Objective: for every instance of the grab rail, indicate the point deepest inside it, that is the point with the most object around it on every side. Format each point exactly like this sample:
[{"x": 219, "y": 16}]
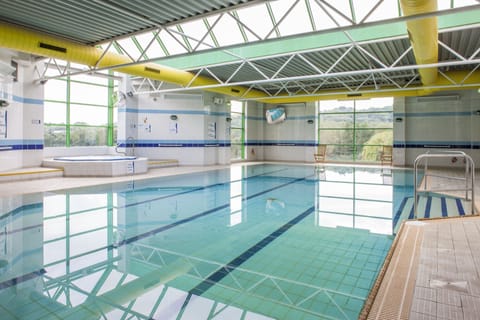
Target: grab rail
[
  {"x": 469, "y": 173},
  {"x": 129, "y": 151}
]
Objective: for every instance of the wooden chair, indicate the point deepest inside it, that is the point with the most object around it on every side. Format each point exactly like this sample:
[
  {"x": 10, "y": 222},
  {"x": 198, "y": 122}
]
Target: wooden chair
[
  {"x": 321, "y": 151},
  {"x": 386, "y": 155}
]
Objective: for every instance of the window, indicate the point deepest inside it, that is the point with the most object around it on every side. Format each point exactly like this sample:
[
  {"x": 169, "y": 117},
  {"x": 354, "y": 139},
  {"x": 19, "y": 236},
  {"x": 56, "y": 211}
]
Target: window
[
  {"x": 237, "y": 130},
  {"x": 355, "y": 130},
  {"x": 79, "y": 111}
]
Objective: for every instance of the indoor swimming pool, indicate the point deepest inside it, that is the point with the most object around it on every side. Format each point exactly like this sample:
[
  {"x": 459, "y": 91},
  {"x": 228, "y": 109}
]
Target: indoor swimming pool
[{"x": 263, "y": 241}]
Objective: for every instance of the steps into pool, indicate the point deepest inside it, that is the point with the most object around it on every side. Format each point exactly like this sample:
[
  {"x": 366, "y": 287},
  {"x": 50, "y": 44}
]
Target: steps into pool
[
  {"x": 31, "y": 173},
  {"x": 23, "y": 174},
  {"x": 432, "y": 206},
  {"x": 162, "y": 163}
]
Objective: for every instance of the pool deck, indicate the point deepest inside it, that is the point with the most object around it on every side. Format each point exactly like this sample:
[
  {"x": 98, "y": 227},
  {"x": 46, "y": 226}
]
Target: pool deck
[
  {"x": 431, "y": 272},
  {"x": 433, "y": 269}
]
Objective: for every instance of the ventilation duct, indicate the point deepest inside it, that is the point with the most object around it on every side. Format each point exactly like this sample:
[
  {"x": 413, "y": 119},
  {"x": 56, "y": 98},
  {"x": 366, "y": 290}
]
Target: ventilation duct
[
  {"x": 423, "y": 34},
  {"x": 23, "y": 40},
  {"x": 18, "y": 39}
]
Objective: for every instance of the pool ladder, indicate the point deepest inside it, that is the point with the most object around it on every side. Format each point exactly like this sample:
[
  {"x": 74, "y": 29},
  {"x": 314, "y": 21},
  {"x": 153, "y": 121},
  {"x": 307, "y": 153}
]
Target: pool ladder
[{"x": 469, "y": 177}]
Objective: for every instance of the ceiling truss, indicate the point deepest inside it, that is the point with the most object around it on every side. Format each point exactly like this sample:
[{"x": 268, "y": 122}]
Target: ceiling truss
[{"x": 355, "y": 67}]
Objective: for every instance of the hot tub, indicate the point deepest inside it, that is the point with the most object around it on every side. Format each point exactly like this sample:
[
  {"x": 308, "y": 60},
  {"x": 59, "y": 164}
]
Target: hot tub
[{"x": 98, "y": 165}]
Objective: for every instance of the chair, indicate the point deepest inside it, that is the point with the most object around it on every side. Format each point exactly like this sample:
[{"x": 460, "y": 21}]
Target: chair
[
  {"x": 320, "y": 155},
  {"x": 386, "y": 155}
]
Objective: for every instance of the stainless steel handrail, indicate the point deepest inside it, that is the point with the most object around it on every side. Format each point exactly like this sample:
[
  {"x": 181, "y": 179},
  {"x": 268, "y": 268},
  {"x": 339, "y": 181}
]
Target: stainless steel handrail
[
  {"x": 129, "y": 151},
  {"x": 469, "y": 173}
]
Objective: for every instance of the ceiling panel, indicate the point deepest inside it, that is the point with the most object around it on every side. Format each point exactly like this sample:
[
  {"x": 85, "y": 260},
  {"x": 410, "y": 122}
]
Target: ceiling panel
[{"x": 96, "y": 21}]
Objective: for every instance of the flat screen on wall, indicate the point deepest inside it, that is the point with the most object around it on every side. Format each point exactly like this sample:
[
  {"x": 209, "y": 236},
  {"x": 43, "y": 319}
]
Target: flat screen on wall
[{"x": 275, "y": 115}]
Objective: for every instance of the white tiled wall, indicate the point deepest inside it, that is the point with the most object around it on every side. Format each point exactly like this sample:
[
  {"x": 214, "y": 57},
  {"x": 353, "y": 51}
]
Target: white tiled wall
[
  {"x": 444, "y": 121},
  {"x": 254, "y": 127},
  {"x": 147, "y": 119},
  {"x": 294, "y": 130},
  {"x": 25, "y": 118}
]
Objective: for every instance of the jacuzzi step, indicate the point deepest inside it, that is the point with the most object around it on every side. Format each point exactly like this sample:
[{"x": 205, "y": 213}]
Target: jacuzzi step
[
  {"x": 162, "y": 163},
  {"x": 30, "y": 174},
  {"x": 98, "y": 165}
]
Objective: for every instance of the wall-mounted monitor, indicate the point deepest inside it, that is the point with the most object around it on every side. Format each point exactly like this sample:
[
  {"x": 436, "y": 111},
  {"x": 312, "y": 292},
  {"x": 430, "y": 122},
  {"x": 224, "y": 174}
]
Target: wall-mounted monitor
[{"x": 275, "y": 115}]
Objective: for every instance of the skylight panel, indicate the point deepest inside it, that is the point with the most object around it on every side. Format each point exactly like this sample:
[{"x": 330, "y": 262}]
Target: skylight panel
[
  {"x": 153, "y": 47},
  {"x": 196, "y": 30},
  {"x": 387, "y": 9},
  {"x": 129, "y": 48},
  {"x": 174, "y": 45},
  {"x": 329, "y": 17},
  {"x": 258, "y": 21},
  {"x": 444, "y": 4},
  {"x": 297, "y": 21},
  {"x": 464, "y": 3},
  {"x": 227, "y": 31},
  {"x": 362, "y": 10}
]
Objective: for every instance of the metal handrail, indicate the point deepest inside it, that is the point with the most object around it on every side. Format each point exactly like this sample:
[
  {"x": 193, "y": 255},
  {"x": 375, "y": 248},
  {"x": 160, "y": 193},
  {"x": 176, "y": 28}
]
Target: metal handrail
[
  {"x": 469, "y": 173},
  {"x": 127, "y": 148}
]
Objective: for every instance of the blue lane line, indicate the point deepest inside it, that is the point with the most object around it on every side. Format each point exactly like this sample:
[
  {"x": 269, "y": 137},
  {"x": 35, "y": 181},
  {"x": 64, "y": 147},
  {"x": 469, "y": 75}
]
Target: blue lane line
[
  {"x": 399, "y": 212},
  {"x": 169, "y": 226},
  {"x": 22, "y": 278},
  {"x": 222, "y": 272},
  {"x": 21, "y": 209},
  {"x": 461, "y": 211},
  {"x": 444, "y": 207},
  {"x": 428, "y": 207},
  {"x": 193, "y": 189},
  {"x": 412, "y": 212},
  {"x": 194, "y": 217}
]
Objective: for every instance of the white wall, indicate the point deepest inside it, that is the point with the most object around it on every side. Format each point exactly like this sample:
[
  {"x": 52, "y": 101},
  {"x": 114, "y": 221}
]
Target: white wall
[
  {"x": 293, "y": 139},
  {"x": 199, "y": 136},
  {"x": 446, "y": 122},
  {"x": 254, "y": 125},
  {"x": 23, "y": 146}
]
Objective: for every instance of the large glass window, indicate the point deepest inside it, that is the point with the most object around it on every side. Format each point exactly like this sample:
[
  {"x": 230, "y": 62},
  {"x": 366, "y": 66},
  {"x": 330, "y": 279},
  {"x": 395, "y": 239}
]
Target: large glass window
[
  {"x": 355, "y": 130},
  {"x": 79, "y": 111},
  {"x": 237, "y": 130}
]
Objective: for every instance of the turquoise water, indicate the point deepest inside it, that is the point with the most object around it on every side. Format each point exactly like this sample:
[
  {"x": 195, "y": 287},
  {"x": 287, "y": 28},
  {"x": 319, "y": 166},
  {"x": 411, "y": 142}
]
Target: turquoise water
[{"x": 252, "y": 242}]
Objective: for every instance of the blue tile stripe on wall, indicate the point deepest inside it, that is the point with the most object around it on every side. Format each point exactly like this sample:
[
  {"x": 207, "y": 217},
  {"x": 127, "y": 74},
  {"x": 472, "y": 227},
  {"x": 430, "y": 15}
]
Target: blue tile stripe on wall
[
  {"x": 19, "y": 144},
  {"x": 434, "y": 114},
  {"x": 38, "y": 102},
  {"x": 437, "y": 144},
  {"x": 177, "y": 112}
]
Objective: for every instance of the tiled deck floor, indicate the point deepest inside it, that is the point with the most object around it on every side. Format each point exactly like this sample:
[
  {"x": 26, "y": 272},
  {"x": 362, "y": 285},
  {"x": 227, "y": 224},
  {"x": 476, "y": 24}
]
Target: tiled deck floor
[
  {"x": 433, "y": 273},
  {"x": 434, "y": 270},
  {"x": 448, "y": 282}
]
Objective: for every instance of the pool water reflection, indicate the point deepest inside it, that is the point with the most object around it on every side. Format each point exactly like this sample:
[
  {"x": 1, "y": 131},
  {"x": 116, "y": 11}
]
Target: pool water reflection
[{"x": 252, "y": 242}]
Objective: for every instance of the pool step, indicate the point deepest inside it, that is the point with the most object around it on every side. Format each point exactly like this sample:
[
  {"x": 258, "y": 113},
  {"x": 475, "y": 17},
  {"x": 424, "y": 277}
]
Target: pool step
[
  {"x": 162, "y": 163},
  {"x": 432, "y": 206},
  {"x": 23, "y": 174}
]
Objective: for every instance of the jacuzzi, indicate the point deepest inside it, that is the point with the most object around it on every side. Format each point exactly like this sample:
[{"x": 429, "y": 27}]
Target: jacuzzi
[{"x": 98, "y": 165}]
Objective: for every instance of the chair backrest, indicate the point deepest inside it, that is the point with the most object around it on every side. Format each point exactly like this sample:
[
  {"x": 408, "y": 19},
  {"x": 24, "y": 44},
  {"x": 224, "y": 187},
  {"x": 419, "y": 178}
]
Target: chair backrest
[
  {"x": 320, "y": 155},
  {"x": 387, "y": 151},
  {"x": 322, "y": 148},
  {"x": 386, "y": 155}
]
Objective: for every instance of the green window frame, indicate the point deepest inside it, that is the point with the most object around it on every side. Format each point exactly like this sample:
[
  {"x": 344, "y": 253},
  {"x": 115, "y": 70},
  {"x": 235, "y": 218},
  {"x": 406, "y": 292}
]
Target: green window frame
[
  {"x": 354, "y": 131},
  {"x": 237, "y": 130},
  {"x": 65, "y": 130}
]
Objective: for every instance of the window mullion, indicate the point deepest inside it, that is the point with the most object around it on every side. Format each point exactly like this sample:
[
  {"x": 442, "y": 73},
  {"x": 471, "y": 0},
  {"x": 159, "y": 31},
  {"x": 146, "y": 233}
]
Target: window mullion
[{"x": 67, "y": 126}]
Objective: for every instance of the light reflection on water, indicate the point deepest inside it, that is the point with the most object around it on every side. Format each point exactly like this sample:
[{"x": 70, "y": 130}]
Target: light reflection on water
[{"x": 253, "y": 242}]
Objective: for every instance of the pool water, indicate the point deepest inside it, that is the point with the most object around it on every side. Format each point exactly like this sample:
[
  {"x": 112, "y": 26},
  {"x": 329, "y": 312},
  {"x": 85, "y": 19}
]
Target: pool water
[{"x": 250, "y": 242}]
